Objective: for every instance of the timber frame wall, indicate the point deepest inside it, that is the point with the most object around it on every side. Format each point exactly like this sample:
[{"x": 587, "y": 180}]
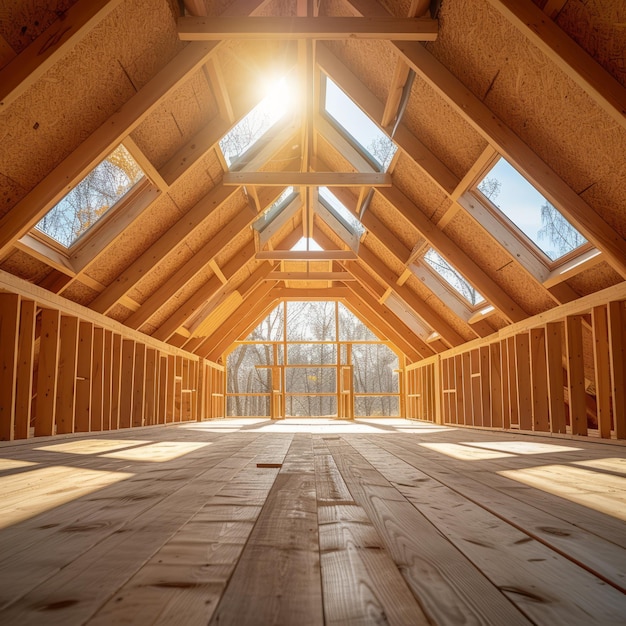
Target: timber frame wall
[
  {"x": 531, "y": 376},
  {"x": 66, "y": 369}
]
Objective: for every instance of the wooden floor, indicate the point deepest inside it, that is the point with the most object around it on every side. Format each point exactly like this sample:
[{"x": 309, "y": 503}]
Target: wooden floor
[{"x": 312, "y": 522}]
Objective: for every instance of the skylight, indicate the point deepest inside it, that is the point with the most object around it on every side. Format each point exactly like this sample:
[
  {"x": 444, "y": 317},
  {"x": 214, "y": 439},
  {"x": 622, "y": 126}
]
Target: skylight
[
  {"x": 341, "y": 212},
  {"x": 529, "y": 211},
  {"x": 92, "y": 197},
  {"x": 360, "y": 129},
  {"x": 254, "y": 125},
  {"x": 274, "y": 209},
  {"x": 452, "y": 277}
]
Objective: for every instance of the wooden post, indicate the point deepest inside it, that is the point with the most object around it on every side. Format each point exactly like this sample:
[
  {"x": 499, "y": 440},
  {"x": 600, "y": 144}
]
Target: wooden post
[
  {"x": 83, "y": 377},
  {"x": 506, "y": 381},
  {"x": 522, "y": 360},
  {"x": 9, "y": 326},
  {"x": 24, "y": 375},
  {"x": 107, "y": 379},
  {"x": 171, "y": 388},
  {"x": 554, "y": 357},
  {"x": 201, "y": 378},
  {"x": 458, "y": 385},
  {"x": 150, "y": 403},
  {"x": 139, "y": 377},
  {"x": 477, "y": 409},
  {"x": 512, "y": 380},
  {"x": 602, "y": 369},
  {"x": 116, "y": 381},
  {"x": 66, "y": 387},
  {"x": 485, "y": 386},
  {"x": 495, "y": 385},
  {"x": 539, "y": 377},
  {"x": 617, "y": 350},
  {"x": 437, "y": 391},
  {"x": 47, "y": 372},
  {"x": 126, "y": 386},
  {"x": 468, "y": 416},
  {"x": 576, "y": 374},
  {"x": 163, "y": 378},
  {"x": 97, "y": 381}
]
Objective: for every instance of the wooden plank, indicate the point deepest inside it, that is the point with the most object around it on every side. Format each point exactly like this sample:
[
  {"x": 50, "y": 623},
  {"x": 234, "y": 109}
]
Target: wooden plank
[
  {"x": 199, "y": 28},
  {"x": 307, "y": 179},
  {"x": 127, "y": 371},
  {"x": 602, "y": 369},
  {"x": 617, "y": 351},
  {"x": 554, "y": 358},
  {"x": 576, "y": 374},
  {"x": 305, "y": 255},
  {"x": 97, "y": 381},
  {"x": 84, "y": 378},
  {"x": 279, "y": 569},
  {"x": 56, "y": 41},
  {"x": 47, "y": 373},
  {"x": 539, "y": 378},
  {"x": 523, "y": 380},
  {"x": 66, "y": 387},
  {"x": 446, "y": 593},
  {"x": 9, "y": 343},
  {"x": 116, "y": 380},
  {"x": 495, "y": 385},
  {"x": 139, "y": 378},
  {"x": 24, "y": 373},
  {"x": 151, "y": 387}
]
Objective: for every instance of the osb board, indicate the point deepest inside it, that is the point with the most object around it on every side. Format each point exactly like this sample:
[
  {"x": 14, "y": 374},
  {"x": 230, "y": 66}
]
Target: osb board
[
  {"x": 594, "y": 279},
  {"x": 79, "y": 293},
  {"x": 491, "y": 258},
  {"x": 383, "y": 254},
  {"x": 396, "y": 223},
  {"x": 420, "y": 189},
  {"x": 176, "y": 120},
  {"x": 336, "y": 243},
  {"x": 440, "y": 309},
  {"x": 219, "y": 219},
  {"x": 22, "y": 21},
  {"x": 236, "y": 244},
  {"x": 330, "y": 158},
  {"x": 538, "y": 102},
  {"x": 10, "y": 193},
  {"x": 119, "y": 313},
  {"x": 287, "y": 158},
  {"x": 144, "y": 231},
  {"x": 597, "y": 26},
  {"x": 81, "y": 91},
  {"x": 25, "y": 266},
  {"x": 160, "y": 273},
  {"x": 197, "y": 181}
]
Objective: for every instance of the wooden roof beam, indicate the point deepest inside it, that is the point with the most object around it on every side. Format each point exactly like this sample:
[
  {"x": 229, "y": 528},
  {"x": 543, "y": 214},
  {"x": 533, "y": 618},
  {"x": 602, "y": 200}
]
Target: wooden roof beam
[
  {"x": 310, "y": 276},
  {"x": 539, "y": 173},
  {"x": 55, "y": 42},
  {"x": 306, "y": 255},
  {"x": 308, "y": 179},
  {"x": 318, "y": 28},
  {"x": 564, "y": 52}
]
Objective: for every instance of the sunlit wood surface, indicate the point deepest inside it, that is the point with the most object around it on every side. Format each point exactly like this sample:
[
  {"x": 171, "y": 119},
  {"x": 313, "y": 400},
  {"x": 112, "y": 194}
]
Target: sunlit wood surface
[{"x": 312, "y": 522}]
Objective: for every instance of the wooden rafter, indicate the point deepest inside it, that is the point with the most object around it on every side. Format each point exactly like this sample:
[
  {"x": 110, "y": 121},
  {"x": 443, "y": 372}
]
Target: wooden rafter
[
  {"x": 319, "y": 28},
  {"x": 308, "y": 179},
  {"x": 55, "y": 42}
]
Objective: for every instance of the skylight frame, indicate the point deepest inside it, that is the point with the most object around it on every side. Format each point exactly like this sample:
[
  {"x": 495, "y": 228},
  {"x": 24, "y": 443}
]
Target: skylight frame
[
  {"x": 538, "y": 254},
  {"x": 350, "y": 221},
  {"x": 363, "y": 150},
  {"x": 130, "y": 195}
]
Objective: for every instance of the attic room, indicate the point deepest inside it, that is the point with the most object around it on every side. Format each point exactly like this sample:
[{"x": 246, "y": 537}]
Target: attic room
[{"x": 312, "y": 312}]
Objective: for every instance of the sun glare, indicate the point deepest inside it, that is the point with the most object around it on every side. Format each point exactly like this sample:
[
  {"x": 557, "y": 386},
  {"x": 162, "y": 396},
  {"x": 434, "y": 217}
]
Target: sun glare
[{"x": 279, "y": 97}]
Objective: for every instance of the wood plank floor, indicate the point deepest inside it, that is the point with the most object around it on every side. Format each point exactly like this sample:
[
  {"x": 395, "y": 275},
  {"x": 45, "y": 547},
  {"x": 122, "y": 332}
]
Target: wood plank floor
[{"x": 380, "y": 521}]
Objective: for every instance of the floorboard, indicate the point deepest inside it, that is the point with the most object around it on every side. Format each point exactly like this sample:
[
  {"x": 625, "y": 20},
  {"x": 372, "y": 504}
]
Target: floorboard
[{"x": 376, "y": 521}]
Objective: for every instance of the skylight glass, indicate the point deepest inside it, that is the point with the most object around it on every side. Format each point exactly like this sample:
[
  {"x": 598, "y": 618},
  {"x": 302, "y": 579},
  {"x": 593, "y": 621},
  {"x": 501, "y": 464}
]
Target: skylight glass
[
  {"x": 360, "y": 128},
  {"x": 341, "y": 212},
  {"x": 254, "y": 125},
  {"x": 92, "y": 197},
  {"x": 274, "y": 209},
  {"x": 452, "y": 277},
  {"x": 541, "y": 222}
]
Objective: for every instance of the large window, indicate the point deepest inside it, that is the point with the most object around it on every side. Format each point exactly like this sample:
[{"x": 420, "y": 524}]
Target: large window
[
  {"x": 529, "y": 212},
  {"x": 303, "y": 350},
  {"x": 91, "y": 198}
]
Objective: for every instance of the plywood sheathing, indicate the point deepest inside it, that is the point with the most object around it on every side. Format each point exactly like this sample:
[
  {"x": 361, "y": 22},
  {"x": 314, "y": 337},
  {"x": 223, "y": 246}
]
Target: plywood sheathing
[
  {"x": 178, "y": 118},
  {"x": 594, "y": 279},
  {"x": 99, "y": 75},
  {"x": 537, "y": 101},
  {"x": 492, "y": 259},
  {"x": 25, "y": 266},
  {"x": 197, "y": 181},
  {"x": 150, "y": 225},
  {"x": 10, "y": 193},
  {"x": 236, "y": 244},
  {"x": 119, "y": 313},
  {"x": 334, "y": 240},
  {"x": 80, "y": 293},
  {"x": 598, "y": 27},
  {"x": 394, "y": 221},
  {"x": 22, "y": 22}
]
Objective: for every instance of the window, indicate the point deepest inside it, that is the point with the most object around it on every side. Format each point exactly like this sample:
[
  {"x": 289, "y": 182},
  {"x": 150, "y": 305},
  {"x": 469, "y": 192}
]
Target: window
[
  {"x": 529, "y": 211},
  {"x": 362, "y": 132},
  {"x": 92, "y": 198},
  {"x": 340, "y": 212},
  {"x": 254, "y": 125},
  {"x": 452, "y": 277},
  {"x": 274, "y": 209}
]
